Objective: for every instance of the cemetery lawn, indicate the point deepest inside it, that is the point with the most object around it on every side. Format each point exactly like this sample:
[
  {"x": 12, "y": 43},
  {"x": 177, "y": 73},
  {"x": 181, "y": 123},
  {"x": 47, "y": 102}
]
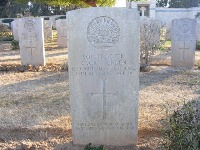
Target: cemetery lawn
[{"x": 35, "y": 108}]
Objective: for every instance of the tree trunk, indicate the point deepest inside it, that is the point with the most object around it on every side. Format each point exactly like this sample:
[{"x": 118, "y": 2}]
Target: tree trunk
[{"x": 91, "y": 3}]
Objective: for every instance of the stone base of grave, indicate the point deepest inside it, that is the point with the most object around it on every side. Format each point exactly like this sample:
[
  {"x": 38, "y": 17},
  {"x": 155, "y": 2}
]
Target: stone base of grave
[{"x": 70, "y": 146}]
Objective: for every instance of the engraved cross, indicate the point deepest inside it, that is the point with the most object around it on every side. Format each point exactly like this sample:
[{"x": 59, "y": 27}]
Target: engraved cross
[
  {"x": 104, "y": 94},
  {"x": 183, "y": 49},
  {"x": 31, "y": 48}
]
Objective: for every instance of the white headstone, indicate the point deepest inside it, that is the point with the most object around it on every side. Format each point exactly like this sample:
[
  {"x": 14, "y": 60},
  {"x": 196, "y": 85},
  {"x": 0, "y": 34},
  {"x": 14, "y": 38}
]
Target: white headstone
[
  {"x": 53, "y": 20},
  {"x": 48, "y": 29},
  {"x": 198, "y": 29},
  {"x": 15, "y": 29},
  {"x": 104, "y": 75},
  {"x": 31, "y": 41},
  {"x": 143, "y": 9},
  {"x": 183, "y": 43},
  {"x": 61, "y": 26}
]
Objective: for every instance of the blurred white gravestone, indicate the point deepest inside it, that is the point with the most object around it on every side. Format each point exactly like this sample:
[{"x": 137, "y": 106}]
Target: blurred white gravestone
[
  {"x": 15, "y": 29},
  {"x": 143, "y": 9},
  {"x": 183, "y": 43},
  {"x": 61, "y": 26},
  {"x": 31, "y": 41},
  {"x": 198, "y": 29},
  {"x": 48, "y": 29},
  {"x": 104, "y": 75}
]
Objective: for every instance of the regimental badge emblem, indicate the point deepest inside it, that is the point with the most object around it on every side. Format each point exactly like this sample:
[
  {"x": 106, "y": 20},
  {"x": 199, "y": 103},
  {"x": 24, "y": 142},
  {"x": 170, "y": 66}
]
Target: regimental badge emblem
[
  {"x": 185, "y": 27},
  {"x": 29, "y": 25},
  {"x": 103, "y": 32}
]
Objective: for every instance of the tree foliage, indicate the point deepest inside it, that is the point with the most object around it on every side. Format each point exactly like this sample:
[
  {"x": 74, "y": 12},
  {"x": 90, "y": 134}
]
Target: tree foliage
[
  {"x": 3, "y": 3},
  {"x": 178, "y": 3},
  {"x": 161, "y": 3},
  {"x": 183, "y": 3},
  {"x": 45, "y": 7},
  {"x": 83, "y": 3},
  {"x": 175, "y": 3}
]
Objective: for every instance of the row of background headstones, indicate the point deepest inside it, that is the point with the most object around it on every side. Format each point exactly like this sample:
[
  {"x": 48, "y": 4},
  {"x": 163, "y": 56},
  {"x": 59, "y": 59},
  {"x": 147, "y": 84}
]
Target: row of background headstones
[
  {"x": 47, "y": 27},
  {"x": 31, "y": 32},
  {"x": 180, "y": 58}
]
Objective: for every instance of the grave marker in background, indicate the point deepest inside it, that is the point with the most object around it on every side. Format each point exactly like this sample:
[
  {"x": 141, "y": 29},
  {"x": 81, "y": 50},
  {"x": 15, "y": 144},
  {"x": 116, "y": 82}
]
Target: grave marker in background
[
  {"x": 104, "y": 75},
  {"x": 198, "y": 29},
  {"x": 15, "y": 29},
  {"x": 183, "y": 43},
  {"x": 31, "y": 41},
  {"x": 48, "y": 29},
  {"x": 61, "y": 26}
]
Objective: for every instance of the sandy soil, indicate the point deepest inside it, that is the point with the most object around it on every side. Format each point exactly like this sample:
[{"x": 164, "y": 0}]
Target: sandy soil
[{"x": 35, "y": 108}]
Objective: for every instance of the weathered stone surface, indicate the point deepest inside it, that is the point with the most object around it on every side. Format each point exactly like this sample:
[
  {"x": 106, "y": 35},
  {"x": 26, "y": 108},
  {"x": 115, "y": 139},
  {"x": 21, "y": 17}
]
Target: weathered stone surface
[
  {"x": 104, "y": 75},
  {"x": 48, "y": 29},
  {"x": 183, "y": 43},
  {"x": 15, "y": 29},
  {"x": 198, "y": 28},
  {"x": 61, "y": 26},
  {"x": 31, "y": 41}
]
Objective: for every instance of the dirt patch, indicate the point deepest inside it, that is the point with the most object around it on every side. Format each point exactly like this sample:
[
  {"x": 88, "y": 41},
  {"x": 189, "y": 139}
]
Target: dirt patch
[
  {"x": 47, "y": 67},
  {"x": 35, "y": 107}
]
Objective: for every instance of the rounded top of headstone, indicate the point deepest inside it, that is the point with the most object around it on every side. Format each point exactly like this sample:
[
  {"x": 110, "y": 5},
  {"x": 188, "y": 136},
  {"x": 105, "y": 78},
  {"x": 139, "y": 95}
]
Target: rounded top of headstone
[
  {"x": 143, "y": 8},
  {"x": 103, "y": 32}
]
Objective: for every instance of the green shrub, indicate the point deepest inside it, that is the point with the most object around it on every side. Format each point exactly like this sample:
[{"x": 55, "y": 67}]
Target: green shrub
[
  {"x": 198, "y": 64},
  {"x": 198, "y": 45},
  {"x": 89, "y": 147},
  {"x": 15, "y": 45},
  {"x": 182, "y": 128},
  {"x": 158, "y": 47}
]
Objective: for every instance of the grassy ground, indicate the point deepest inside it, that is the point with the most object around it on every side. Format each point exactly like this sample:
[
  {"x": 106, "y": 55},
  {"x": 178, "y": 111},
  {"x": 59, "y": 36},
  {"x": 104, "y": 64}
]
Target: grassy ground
[{"x": 35, "y": 107}]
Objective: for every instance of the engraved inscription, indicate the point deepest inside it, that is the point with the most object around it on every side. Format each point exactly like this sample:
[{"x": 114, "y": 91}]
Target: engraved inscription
[
  {"x": 183, "y": 31},
  {"x": 104, "y": 94},
  {"x": 29, "y": 25},
  {"x": 31, "y": 49},
  {"x": 104, "y": 126},
  {"x": 185, "y": 27},
  {"x": 103, "y": 64},
  {"x": 183, "y": 50},
  {"x": 103, "y": 32},
  {"x": 29, "y": 36}
]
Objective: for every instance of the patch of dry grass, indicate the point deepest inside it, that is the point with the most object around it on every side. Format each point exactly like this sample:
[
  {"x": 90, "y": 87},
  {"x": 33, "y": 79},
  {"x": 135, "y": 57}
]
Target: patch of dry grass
[{"x": 35, "y": 108}]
